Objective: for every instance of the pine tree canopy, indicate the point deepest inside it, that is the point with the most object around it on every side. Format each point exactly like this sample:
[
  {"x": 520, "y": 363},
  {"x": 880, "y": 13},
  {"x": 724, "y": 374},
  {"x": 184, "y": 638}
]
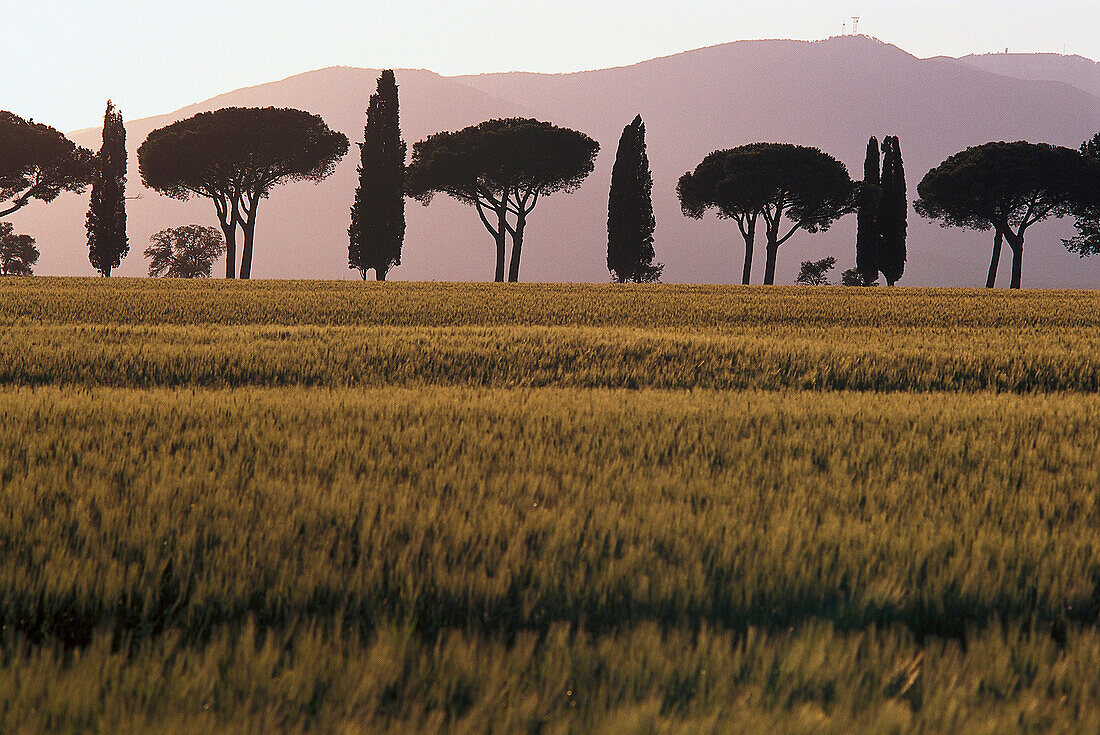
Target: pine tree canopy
[{"x": 38, "y": 162}]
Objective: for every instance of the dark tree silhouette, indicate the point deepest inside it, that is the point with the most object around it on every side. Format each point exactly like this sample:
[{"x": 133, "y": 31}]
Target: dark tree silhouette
[
  {"x": 1087, "y": 212},
  {"x": 378, "y": 214},
  {"x": 188, "y": 251},
  {"x": 17, "y": 252},
  {"x": 869, "y": 197},
  {"x": 815, "y": 272},
  {"x": 106, "y": 223},
  {"x": 1007, "y": 187},
  {"x": 502, "y": 168},
  {"x": 731, "y": 182},
  {"x": 853, "y": 277},
  {"x": 1087, "y": 240},
  {"x": 38, "y": 162},
  {"x": 777, "y": 182},
  {"x": 235, "y": 156},
  {"x": 893, "y": 214},
  {"x": 630, "y": 221}
]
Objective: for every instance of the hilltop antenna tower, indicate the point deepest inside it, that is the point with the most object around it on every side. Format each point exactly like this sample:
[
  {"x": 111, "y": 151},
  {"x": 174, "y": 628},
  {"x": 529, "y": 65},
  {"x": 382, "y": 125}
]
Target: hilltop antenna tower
[
  {"x": 844, "y": 28},
  {"x": 855, "y": 25}
]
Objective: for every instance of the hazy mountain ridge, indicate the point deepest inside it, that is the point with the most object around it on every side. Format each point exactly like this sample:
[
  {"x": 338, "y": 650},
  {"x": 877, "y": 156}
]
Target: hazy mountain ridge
[
  {"x": 1077, "y": 71},
  {"x": 832, "y": 94}
]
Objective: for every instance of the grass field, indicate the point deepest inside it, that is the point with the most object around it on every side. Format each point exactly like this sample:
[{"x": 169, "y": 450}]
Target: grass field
[{"x": 398, "y": 508}]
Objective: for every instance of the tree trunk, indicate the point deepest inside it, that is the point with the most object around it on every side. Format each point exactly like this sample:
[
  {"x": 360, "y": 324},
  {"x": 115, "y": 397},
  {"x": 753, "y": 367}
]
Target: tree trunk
[
  {"x": 517, "y": 250},
  {"x": 750, "y": 239},
  {"x": 769, "y": 266},
  {"x": 230, "y": 233},
  {"x": 379, "y": 274},
  {"x": 501, "y": 235},
  {"x": 1017, "y": 262},
  {"x": 991, "y": 279},
  {"x": 248, "y": 226},
  {"x": 246, "y": 252}
]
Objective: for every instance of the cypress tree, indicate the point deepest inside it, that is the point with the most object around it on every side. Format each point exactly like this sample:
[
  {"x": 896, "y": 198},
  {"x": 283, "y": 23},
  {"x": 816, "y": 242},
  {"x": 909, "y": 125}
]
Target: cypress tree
[
  {"x": 868, "y": 236},
  {"x": 377, "y": 228},
  {"x": 106, "y": 223},
  {"x": 630, "y": 220},
  {"x": 893, "y": 212}
]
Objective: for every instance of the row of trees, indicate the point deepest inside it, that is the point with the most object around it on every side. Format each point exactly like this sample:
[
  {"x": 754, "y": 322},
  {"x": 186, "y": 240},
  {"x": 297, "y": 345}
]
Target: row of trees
[{"x": 503, "y": 168}]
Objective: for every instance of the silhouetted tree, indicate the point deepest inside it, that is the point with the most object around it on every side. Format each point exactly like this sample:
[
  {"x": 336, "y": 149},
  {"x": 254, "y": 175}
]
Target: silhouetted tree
[
  {"x": 188, "y": 251},
  {"x": 854, "y": 277},
  {"x": 106, "y": 222},
  {"x": 815, "y": 272},
  {"x": 630, "y": 220},
  {"x": 38, "y": 162},
  {"x": 774, "y": 181},
  {"x": 1007, "y": 187},
  {"x": 235, "y": 157},
  {"x": 17, "y": 252},
  {"x": 1087, "y": 240},
  {"x": 502, "y": 168},
  {"x": 1087, "y": 211},
  {"x": 869, "y": 197},
  {"x": 733, "y": 183},
  {"x": 378, "y": 215},
  {"x": 893, "y": 214}
]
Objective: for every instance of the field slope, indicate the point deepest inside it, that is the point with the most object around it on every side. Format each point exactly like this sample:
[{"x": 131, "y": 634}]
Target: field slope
[{"x": 414, "y": 508}]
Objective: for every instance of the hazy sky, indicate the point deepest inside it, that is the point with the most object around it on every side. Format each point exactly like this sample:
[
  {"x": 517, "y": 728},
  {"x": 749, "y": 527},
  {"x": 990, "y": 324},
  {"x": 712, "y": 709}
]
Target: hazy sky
[{"x": 62, "y": 59}]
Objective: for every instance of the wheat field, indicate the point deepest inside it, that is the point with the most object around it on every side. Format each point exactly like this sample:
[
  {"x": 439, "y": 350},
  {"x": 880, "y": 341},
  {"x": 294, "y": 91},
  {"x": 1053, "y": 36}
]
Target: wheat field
[{"x": 430, "y": 508}]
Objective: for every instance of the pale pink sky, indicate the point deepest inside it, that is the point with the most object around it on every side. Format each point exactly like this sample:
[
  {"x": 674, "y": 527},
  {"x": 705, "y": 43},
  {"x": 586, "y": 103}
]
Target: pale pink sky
[{"x": 64, "y": 58}]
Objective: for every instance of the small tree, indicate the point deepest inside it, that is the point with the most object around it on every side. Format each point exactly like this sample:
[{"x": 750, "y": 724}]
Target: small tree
[
  {"x": 855, "y": 277},
  {"x": 235, "y": 157},
  {"x": 1007, "y": 187},
  {"x": 17, "y": 252},
  {"x": 378, "y": 215},
  {"x": 106, "y": 223},
  {"x": 869, "y": 197},
  {"x": 502, "y": 168},
  {"x": 630, "y": 221},
  {"x": 184, "y": 252},
  {"x": 778, "y": 182},
  {"x": 38, "y": 162},
  {"x": 1087, "y": 240},
  {"x": 1087, "y": 211},
  {"x": 893, "y": 214},
  {"x": 815, "y": 272}
]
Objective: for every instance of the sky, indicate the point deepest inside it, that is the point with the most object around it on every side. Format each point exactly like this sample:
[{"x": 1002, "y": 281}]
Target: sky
[{"x": 63, "y": 59}]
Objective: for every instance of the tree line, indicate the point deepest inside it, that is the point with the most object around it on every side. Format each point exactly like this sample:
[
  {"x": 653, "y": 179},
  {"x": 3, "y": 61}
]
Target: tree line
[{"x": 502, "y": 168}]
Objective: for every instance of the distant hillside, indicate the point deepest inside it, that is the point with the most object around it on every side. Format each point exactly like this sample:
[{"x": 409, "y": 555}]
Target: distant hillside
[
  {"x": 832, "y": 94},
  {"x": 1077, "y": 71}
]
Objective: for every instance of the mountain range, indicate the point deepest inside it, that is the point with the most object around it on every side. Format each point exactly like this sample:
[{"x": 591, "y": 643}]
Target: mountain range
[{"x": 832, "y": 94}]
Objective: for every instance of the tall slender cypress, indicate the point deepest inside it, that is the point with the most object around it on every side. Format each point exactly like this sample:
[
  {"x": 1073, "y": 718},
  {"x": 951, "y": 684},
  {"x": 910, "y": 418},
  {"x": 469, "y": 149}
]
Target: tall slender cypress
[
  {"x": 630, "y": 221},
  {"x": 868, "y": 237},
  {"x": 893, "y": 212},
  {"x": 106, "y": 222},
  {"x": 377, "y": 228}
]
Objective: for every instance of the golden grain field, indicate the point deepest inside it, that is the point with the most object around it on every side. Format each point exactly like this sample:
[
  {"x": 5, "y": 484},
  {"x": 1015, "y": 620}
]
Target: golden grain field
[{"x": 434, "y": 508}]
